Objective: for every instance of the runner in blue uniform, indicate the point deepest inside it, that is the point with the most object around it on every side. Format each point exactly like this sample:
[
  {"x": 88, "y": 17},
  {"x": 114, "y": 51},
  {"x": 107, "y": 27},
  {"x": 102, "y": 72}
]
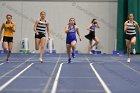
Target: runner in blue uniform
[{"x": 71, "y": 29}]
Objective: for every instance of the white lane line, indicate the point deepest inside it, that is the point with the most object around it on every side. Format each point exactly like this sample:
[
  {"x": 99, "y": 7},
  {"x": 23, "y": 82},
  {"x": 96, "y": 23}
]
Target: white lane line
[
  {"x": 51, "y": 76},
  {"x": 30, "y": 77},
  {"x": 130, "y": 67},
  {"x": 15, "y": 68},
  {"x": 127, "y": 66},
  {"x": 107, "y": 90},
  {"x": 34, "y": 61},
  {"x": 12, "y": 79},
  {"x": 1, "y": 64},
  {"x": 80, "y": 91},
  {"x": 54, "y": 88},
  {"x": 23, "y": 90},
  {"x": 79, "y": 77}
]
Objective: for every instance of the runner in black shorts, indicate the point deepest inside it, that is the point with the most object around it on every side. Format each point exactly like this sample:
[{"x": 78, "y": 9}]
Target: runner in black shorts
[
  {"x": 91, "y": 36},
  {"x": 9, "y": 29},
  {"x": 129, "y": 28},
  {"x": 7, "y": 39},
  {"x": 40, "y": 28}
]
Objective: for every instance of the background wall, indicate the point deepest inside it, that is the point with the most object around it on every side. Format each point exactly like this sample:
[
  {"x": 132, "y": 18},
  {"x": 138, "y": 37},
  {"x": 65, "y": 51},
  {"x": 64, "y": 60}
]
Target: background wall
[
  {"x": 124, "y": 8},
  {"x": 58, "y": 13}
]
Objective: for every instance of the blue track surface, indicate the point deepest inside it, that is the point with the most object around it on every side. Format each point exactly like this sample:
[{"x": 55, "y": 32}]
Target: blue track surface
[{"x": 86, "y": 74}]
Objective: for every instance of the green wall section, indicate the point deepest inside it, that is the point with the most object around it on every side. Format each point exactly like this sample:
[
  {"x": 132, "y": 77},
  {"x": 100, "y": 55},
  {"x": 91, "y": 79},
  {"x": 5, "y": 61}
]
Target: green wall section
[{"x": 124, "y": 8}]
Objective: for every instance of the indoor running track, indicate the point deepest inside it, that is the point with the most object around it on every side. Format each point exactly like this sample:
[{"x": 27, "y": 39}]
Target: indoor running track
[{"x": 86, "y": 74}]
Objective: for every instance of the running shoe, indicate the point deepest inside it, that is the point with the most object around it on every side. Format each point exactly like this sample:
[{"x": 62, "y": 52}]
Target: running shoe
[
  {"x": 128, "y": 60},
  {"x": 73, "y": 54},
  {"x": 7, "y": 60},
  {"x": 40, "y": 59},
  {"x": 134, "y": 51},
  {"x": 90, "y": 52},
  {"x": 69, "y": 60}
]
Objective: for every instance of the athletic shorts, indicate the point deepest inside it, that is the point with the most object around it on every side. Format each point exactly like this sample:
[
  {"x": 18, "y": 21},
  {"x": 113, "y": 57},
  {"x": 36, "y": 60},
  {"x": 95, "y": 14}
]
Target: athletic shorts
[
  {"x": 91, "y": 35},
  {"x": 39, "y": 36},
  {"x": 68, "y": 41},
  {"x": 129, "y": 37},
  {"x": 7, "y": 39},
  {"x": 70, "y": 38}
]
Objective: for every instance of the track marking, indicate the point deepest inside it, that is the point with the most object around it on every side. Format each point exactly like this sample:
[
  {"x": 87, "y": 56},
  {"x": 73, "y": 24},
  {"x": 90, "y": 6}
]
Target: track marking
[
  {"x": 80, "y": 77},
  {"x": 16, "y": 76},
  {"x": 1, "y": 64},
  {"x": 130, "y": 68},
  {"x": 126, "y": 65},
  {"x": 107, "y": 90},
  {"x": 81, "y": 91},
  {"x": 15, "y": 68},
  {"x": 23, "y": 90},
  {"x": 54, "y": 88},
  {"x": 51, "y": 76},
  {"x": 30, "y": 77}
]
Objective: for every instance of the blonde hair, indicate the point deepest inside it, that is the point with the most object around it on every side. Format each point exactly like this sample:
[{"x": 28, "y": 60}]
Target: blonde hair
[
  {"x": 42, "y": 12},
  {"x": 130, "y": 14}
]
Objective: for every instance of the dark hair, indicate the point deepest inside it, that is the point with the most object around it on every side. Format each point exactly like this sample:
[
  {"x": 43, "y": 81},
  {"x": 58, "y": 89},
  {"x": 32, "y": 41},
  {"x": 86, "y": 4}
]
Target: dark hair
[
  {"x": 93, "y": 20},
  {"x": 8, "y": 15},
  {"x": 74, "y": 20}
]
